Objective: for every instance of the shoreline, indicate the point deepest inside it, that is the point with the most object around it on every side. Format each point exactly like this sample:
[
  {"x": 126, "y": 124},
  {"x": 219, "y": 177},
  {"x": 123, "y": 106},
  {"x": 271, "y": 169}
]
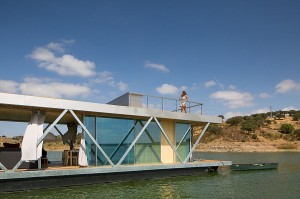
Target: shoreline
[
  {"x": 221, "y": 146},
  {"x": 266, "y": 146}
]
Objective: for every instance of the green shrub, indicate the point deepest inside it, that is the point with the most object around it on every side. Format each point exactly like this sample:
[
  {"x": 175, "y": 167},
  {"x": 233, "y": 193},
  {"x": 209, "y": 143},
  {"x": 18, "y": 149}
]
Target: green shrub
[
  {"x": 286, "y": 128},
  {"x": 215, "y": 129},
  {"x": 271, "y": 135},
  {"x": 279, "y": 116},
  {"x": 296, "y": 116},
  {"x": 254, "y": 136},
  {"x": 210, "y": 137},
  {"x": 296, "y": 134},
  {"x": 234, "y": 121},
  {"x": 269, "y": 122},
  {"x": 249, "y": 125},
  {"x": 259, "y": 119}
]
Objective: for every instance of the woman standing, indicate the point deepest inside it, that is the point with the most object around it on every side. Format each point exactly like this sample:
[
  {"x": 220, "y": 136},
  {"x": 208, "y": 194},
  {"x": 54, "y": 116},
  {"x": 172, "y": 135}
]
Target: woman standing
[{"x": 183, "y": 99}]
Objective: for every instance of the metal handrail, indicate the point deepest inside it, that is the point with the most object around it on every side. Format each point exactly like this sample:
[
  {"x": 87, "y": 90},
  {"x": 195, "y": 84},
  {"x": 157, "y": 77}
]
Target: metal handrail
[{"x": 191, "y": 104}]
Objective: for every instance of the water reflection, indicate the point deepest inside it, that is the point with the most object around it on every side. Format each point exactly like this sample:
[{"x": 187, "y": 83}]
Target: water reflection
[
  {"x": 282, "y": 183},
  {"x": 166, "y": 191}
]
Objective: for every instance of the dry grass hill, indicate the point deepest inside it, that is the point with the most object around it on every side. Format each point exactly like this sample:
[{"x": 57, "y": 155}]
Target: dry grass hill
[{"x": 266, "y": 138}]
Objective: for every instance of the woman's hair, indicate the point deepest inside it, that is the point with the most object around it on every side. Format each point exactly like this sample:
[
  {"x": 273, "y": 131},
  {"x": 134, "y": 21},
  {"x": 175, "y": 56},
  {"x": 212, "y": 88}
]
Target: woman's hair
[{"x": 183, "y": 93}]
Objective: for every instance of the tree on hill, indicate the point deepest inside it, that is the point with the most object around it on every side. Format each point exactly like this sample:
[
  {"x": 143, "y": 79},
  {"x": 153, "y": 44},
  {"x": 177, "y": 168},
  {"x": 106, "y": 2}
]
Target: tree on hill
[
  {"x": 296, "y": 116},
  {"x": 259, "y": 120},
  {"x": 249, "y": 125},
  {"x": 215, "y": 129},
  {"x": 234, "y": 121},
  {"x": 291, "y": 112},
  {"x": 221, "y": 116},
  {"x": 286, "y": 128},
  {"x": 279, "y": 116},
  {"x": 296, "y": 134},
  {"x": 260, "y": 115}
]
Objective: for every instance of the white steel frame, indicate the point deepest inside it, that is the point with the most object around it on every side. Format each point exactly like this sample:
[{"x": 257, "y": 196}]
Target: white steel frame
[{"x": 50, "y": 127}]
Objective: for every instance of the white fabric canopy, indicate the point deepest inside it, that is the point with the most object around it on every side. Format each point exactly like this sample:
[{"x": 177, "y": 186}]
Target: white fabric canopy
[
  {"x": 82, "y": 159},
  {"x": 34, "y": 131}
]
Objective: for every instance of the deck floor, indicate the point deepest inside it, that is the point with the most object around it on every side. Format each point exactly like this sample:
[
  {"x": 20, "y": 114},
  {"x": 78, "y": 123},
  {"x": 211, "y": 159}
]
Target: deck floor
[
  {"x": 58, "y": 166},
  {"x": 57, "y": 175}
]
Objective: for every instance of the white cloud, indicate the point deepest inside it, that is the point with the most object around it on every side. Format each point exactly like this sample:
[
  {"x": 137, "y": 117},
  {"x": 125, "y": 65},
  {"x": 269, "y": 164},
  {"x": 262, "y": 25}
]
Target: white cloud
[
  {"x": 122, "y": 86},
  {"x": 232, "y": 87},
  {"x": 8, "y": 86},
  {"x": 58, "y": 47},
  {"x": 159, "y": 67},
  {"x": 210, "y": 83},
  {"x": 194, "y": 86},
  {"x": 183, "y": 88},
  {"x": 167, "y": 89},
  {"x": 49, "y": 88},
  {"x": 104, "y": 77},
  {"x": 290, "y": 108},
  {"x": 264, "y": 95},
  {"x": 262, "y": 110},
  {"x": 233, "y": 99},
  {"x": 287, "y": 85},
  {"x": 64, "y": 65}
]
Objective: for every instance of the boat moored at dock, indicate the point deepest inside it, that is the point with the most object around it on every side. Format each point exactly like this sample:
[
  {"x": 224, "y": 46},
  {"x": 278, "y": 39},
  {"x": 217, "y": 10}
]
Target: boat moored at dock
[{"x": 254, "y": 166}]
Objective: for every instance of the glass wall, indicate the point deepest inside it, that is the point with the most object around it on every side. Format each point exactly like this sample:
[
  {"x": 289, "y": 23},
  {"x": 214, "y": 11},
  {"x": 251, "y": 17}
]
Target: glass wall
[
  {"x": 147, "y": 148},
  {"x": 90, "y": 123},
  {"x": 115, "y": 135},
  {"x": 183, "y": 140}
]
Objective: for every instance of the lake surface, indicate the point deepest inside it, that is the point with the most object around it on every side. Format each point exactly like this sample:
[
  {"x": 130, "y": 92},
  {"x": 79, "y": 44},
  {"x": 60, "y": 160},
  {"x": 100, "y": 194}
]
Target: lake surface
[{"x": 281, "y": 183}]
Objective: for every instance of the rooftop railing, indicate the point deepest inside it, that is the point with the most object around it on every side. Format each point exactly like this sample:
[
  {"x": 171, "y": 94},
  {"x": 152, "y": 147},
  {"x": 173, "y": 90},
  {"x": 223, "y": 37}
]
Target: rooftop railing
[{"x": 170, "y": 104}]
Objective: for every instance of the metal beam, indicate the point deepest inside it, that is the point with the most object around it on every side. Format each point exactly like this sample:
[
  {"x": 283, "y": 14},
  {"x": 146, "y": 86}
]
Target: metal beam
[
  {"x": 17, "y": 165},
  {"x": 148, "y": 134},
  {"x": 51, "y": 127},
  {"x": 48, "y": 128},
  {"x": 3, "y": 167},
  {"x": 90, "y": 135},
  {"x": 60, "y": 133},
  {"x": 197, "y": 142},
  {"x": 117, "y": 148},
  {"x": 134, "y": 141},
  {"x": 183, "y": 137}
]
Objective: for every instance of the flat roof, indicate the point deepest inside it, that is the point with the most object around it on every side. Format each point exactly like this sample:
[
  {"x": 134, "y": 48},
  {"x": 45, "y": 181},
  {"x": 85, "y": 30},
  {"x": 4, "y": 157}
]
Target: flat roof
[{"x": 16, "y": 107}]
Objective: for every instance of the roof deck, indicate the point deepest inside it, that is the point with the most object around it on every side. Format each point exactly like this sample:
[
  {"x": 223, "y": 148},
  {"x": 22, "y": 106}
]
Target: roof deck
[{"x": 15, "y": 107}]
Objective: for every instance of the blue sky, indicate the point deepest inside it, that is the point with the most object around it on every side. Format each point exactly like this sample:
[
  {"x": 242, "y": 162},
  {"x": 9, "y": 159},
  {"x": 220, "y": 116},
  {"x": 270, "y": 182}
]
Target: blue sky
[{"x": 237, "y": 57}]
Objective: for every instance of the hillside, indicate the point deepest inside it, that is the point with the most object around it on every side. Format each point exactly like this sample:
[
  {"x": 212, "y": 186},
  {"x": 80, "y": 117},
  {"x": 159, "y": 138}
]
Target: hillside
[{"x": 266, "y": 138}]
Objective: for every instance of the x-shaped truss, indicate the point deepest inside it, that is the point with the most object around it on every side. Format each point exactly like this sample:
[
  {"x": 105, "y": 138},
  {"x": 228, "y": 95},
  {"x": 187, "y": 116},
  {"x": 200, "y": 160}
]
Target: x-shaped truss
[{"x": 108, "y": 159}]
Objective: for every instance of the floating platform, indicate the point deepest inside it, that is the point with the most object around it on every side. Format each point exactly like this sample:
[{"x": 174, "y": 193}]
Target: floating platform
[{"x": 74, "y": 175}]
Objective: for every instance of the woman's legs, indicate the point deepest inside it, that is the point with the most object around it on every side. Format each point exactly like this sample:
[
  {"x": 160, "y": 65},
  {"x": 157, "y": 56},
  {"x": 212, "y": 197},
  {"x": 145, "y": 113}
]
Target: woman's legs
[{"x": 184, "y": 108}]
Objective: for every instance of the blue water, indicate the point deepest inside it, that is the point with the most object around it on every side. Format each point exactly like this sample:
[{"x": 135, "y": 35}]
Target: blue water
[{"x": 281, "y": 183}]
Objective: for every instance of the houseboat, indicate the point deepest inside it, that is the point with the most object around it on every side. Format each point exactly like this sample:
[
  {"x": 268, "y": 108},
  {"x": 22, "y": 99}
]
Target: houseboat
[{"x": 135, "y": 136}]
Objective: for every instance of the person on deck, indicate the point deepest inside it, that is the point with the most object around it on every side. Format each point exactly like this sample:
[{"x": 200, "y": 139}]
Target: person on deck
[{"x": 183, "y": 99}]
